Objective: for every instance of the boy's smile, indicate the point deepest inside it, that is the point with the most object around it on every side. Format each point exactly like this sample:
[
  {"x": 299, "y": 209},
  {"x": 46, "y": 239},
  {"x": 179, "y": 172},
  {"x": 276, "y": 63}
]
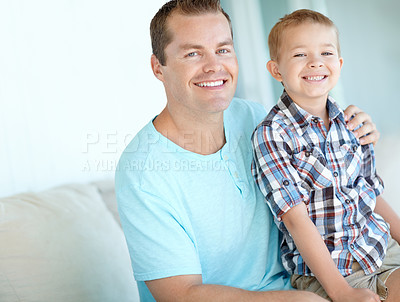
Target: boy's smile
[{"x": 309, "y": 64}]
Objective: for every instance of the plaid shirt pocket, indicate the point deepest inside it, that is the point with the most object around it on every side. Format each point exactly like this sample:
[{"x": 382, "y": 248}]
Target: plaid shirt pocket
[
  {"x": 311, "y": 166},
  {"x": 352, "y": 161}
]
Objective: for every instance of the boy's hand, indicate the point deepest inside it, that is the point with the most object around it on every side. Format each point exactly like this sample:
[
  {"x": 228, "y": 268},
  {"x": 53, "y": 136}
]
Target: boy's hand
[
  {"x": 360, "y": 118},
  {"x": 356, "y": 295}
]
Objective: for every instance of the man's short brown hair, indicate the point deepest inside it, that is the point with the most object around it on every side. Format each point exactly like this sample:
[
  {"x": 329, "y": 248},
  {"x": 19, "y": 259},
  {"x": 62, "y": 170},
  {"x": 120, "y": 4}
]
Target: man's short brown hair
[
  {"x": 161, "y": 36},
  {"x": 296, "y": 18}
]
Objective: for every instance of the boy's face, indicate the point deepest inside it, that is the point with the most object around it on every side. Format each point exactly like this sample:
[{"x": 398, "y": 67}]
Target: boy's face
[{"x": 309, "y": 64}]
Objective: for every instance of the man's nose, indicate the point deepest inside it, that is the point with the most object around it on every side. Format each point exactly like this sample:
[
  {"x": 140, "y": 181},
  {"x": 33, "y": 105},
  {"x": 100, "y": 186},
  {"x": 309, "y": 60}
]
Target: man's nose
[{"x": 212, "y": 63}]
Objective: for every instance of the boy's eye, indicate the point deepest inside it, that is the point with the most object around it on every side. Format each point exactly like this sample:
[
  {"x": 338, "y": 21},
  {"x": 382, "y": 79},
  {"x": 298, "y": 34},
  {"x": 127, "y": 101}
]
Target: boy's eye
[
  {"x": 300, "y": 55},
  {"x": 327, "y": 53}
]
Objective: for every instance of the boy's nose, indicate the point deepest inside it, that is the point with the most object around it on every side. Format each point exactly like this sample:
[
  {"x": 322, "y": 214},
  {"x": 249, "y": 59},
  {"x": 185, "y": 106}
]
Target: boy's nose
[
  {"x": 313, "y": 65},
  {"x": 315, "y": 61}
]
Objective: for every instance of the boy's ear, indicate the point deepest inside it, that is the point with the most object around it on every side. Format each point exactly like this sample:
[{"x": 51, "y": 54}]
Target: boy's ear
[
  {"x": 273, "y": 69},
  {"x": 341, "y": 62},
  {"x": 157, "y": 68}
]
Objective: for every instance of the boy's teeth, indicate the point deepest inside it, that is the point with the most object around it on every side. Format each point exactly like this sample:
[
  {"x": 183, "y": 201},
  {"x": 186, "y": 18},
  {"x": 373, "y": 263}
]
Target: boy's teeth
[
  {"x": 316, "y": 78},
  {"x": 211, "y": 84}
]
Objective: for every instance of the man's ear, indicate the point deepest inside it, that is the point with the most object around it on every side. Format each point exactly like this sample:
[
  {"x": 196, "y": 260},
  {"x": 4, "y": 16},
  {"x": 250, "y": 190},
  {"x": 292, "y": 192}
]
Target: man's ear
[
  {"x": 157, "y": 68},
  {"x": 273, "y": 69}
]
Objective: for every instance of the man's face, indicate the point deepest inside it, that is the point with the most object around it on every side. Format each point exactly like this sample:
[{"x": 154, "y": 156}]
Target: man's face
[
  {"x": 200, "y": 74},
  {"x": 309, "y": 63}
]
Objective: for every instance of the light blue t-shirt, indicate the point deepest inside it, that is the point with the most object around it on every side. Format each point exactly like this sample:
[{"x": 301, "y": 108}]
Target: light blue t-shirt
[{"x": 185, "y": 213}]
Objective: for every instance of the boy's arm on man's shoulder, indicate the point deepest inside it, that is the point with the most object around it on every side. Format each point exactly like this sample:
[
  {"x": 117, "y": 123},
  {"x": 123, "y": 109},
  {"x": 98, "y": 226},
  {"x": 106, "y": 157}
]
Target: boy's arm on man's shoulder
[
  {"x": 386, "y": 211},
  {"x": 191, "y": 288}
]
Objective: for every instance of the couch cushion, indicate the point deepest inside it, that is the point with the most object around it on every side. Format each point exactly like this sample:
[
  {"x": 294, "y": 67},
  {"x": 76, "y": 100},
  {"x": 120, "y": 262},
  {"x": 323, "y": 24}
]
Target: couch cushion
[
  {"x": 62, "y": 245},
  {"x": 107, "y": 192}
]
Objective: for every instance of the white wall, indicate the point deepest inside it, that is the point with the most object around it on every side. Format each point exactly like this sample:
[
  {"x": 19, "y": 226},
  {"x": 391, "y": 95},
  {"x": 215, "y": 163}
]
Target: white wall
[
  {"x": 75, "y": 85},
  {"x": 369, "y": 34}
]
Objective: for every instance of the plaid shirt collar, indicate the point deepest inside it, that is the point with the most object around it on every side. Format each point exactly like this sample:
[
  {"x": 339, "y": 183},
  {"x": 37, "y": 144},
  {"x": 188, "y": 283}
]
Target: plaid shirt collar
[{"x": 300, "y": 118}]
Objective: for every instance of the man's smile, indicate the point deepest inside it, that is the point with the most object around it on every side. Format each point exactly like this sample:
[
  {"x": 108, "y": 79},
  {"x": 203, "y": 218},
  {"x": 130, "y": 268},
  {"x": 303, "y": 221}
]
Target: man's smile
[{"x": 216, "y": 83}]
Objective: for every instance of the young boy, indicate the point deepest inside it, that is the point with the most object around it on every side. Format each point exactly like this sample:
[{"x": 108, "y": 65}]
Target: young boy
[{"x": 319, "y": 182}]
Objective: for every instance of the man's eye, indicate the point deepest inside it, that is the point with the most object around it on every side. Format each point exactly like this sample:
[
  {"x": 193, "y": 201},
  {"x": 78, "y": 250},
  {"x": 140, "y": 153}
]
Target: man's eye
[
  {"x": 192, "y": 54},
  {"x": 223, "y": 51},
  {"x": 300, "y": 55}
]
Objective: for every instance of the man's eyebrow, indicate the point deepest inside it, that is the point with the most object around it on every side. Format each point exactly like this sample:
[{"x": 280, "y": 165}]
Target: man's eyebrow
[
  {"x": 226, "y": 42},
  {"x": 198, "y": 46},
  {"x": 191, "y": 46}
]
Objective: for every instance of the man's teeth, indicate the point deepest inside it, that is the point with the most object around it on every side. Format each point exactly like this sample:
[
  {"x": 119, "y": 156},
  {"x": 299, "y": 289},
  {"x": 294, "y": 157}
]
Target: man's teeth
[
  {"x": 210, "y": 84},
  {"x": 316, "y": 78}
]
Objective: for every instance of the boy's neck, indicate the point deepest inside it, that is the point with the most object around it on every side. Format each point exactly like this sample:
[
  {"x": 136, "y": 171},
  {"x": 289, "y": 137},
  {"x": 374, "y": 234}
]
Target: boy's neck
[
  {"x": 323, "y": 114},
  {"x": 316, "y": 108}
]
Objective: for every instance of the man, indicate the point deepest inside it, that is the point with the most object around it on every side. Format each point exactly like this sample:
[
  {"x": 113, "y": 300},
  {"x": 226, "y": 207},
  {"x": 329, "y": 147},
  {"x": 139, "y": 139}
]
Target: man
[{"x": 197, "y": 227}]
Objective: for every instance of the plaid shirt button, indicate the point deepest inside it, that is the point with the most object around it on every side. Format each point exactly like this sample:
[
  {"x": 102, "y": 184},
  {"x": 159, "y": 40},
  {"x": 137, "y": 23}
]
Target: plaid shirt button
[
  {"x": 335, "y": 174},
  {"x": 286, "y": 182},
  {"x": 348, "y": 201}
]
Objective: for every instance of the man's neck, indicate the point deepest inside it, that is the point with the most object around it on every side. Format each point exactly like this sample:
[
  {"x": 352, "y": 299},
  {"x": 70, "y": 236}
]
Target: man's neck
[{"x": 196, "y": 134}]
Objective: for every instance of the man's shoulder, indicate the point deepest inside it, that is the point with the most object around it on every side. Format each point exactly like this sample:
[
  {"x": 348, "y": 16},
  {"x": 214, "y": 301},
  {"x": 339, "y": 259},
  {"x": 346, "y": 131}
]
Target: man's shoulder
[
  {"x": 239, "y": 105},
  {"x": 245, "y": 112},
  {"x": 142, "y": 143},
  {"x": 137, "y": 153}
]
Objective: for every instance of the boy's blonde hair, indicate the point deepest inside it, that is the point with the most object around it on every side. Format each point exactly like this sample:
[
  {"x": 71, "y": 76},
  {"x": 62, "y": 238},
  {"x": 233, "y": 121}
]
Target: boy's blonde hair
[{"x": 296, "y": 18}]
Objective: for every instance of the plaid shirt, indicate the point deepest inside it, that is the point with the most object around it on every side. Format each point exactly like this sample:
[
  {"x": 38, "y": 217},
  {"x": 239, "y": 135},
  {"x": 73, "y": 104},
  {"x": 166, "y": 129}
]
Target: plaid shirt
[{"x": 297, "y": 160}]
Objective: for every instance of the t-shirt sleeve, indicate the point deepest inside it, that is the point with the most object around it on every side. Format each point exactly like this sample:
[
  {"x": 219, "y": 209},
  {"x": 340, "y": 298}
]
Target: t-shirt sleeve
[
  {"x": 159, "y": 243},
  {"x": 276, "y": 177}
]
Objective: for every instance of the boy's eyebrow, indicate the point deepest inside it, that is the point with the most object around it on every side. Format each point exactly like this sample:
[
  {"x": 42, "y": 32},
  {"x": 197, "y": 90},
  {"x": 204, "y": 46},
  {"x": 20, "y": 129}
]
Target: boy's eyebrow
[
  {"x": 329, "y": 45},
  {"x": 198, "y": 46},
  {"x": 305, "y": 46}
]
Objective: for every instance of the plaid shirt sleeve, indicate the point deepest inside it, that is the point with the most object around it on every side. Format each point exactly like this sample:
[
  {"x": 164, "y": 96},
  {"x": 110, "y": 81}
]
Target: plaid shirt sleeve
[
  {"x": 369, "y": 170},
  {"x": 276, "y": 177}
]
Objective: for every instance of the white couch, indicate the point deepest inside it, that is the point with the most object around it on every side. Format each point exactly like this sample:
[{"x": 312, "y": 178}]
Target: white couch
[{"x": 64, "y": 245}]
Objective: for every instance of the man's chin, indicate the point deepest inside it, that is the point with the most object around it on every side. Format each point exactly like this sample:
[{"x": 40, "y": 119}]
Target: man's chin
[{"x": 219, "y": 105}]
